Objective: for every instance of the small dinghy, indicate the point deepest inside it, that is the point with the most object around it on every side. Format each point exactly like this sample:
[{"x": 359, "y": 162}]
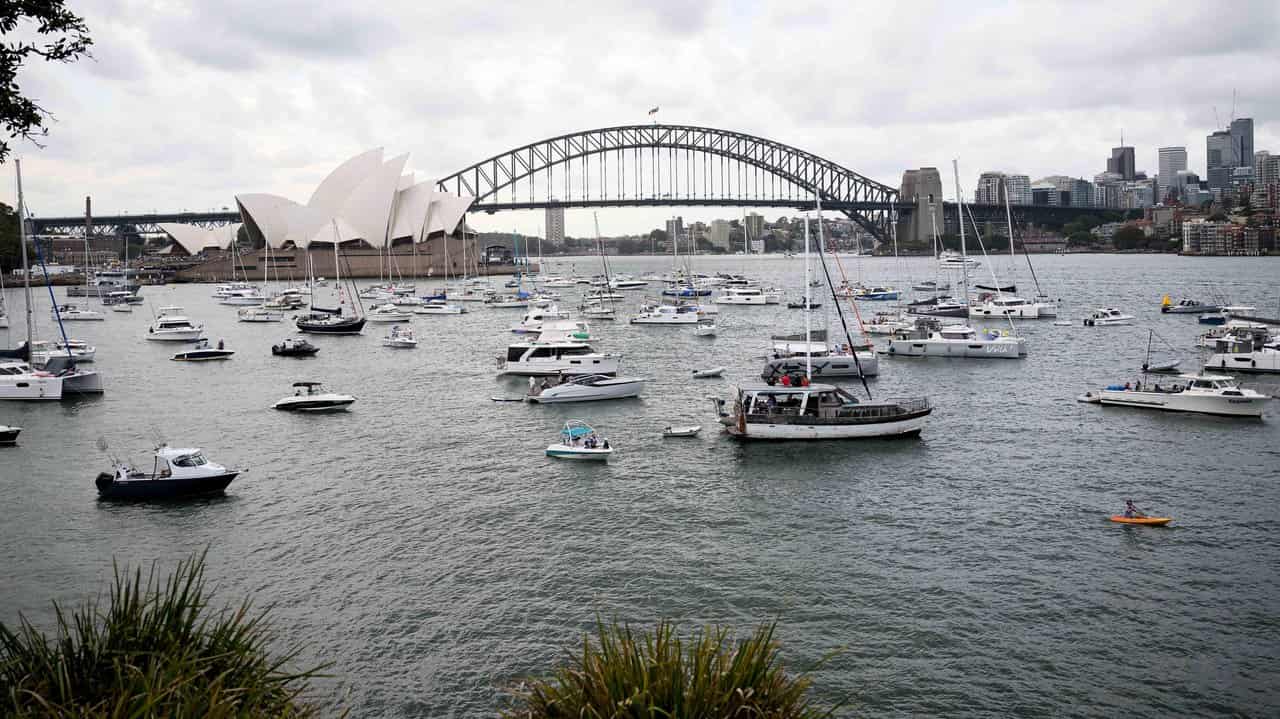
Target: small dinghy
[
  {"x": 1090, "y": 398},
  {"x": 177, "y": 473},
  {"x": 800, "y": 305},
  {"x": 682, "y": 431},
  {"x": 579, "y": 441},
  {"x": 9, "y": 435},
  {"x": 204, "y": 353},
  {"x": 1154, "y": 521},
  {"x": 294, "y": 348},
  {"x": 1170, "y": 367},
  {"x": 708, "y": 373},
  {"x": 705, "y": 328}
]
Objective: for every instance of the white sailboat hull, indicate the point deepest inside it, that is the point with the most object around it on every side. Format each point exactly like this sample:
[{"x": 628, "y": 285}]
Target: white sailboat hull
[
  {"x": 175, "y": 335},
  {"x": 1193, "y": 402},
  {"x": 26, "y": 387},
  {"x": 1256, "y": 362},
  {"x": 576, "y": 364},
  {"x": 1003, "y": 348}
]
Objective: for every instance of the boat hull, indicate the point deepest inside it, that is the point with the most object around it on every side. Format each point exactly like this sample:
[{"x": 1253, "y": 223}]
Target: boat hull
[
  {"x": 1189, "y": 402},
  {"x": 346, "y": 327},
  {"x": 824, "y": 368},
  {"x": 1000, "y": 349},
  {"x": 615, "y": 389},
  {"x": 1264, "y": 362},
  {"x": 175, "y": 335},
  {"x": 907, "y": 426},
  {"x": 580, "y": 453},
  {"x": 1149, "y": 521},
  {"x": 30, "y": 388},
  {"x": 203, "y": 355},
  {"x": 157, "y": 489}
]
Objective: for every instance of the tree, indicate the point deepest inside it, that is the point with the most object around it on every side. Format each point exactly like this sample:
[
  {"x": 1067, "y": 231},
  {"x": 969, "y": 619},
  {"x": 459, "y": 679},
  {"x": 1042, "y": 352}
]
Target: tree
[
  {"x": 10, "y": 246},
  {"x": 64, "y": 37},
  {"x": 1129, "y": 237}
]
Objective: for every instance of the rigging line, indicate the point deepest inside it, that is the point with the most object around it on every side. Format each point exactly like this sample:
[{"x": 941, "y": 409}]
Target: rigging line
[
  {"x": 990, "y": 265},
  {"x": 844, "y": 277},
  {"x": 836, "y": 300}
]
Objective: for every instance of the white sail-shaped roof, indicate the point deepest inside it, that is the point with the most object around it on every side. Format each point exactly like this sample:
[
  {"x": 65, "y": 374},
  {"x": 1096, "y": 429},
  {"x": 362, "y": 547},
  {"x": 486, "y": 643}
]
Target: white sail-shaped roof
[
  {"x": 446, "y": 211},
  {"x": 334, "y": 190},
  {"x": 368, "y": 208},
  {"x": 266, "y": 216},
  {"x": 411, "y": 211},
  {"x": 195, "y": 239}
]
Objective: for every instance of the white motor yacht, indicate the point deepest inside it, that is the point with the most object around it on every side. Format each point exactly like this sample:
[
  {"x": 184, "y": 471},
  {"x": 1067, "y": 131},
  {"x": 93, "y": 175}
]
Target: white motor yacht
[
  {"x": 1200, "y": 394},
  {"x": 1107, "y": 317},
  {"x": 930, "y": 338},
  {"x": 882, "y": 323},
  {"x": 554, "y": 357},
  {"x": 788, "y": 355},
  {"x": 78, "y": 350},
  {"x": 311, "y": 397},
  {"x": 223, "y": 290},
  {"x": 534, "y": 318},
  {"x": 1245, "y": 356},
  {"x": 661, "y": 314},
  {"x": 625, "y": 282},
  {"x": 174, "y": 328},
  {"x": 556, "y": 281},
  {"x": 439, "y": 307},
  {"x": 999, "y": 306},
  {"x": 388, "y": 313},
  {"x": 585, "y": 388},
  {"x": 19, "y": 380},
  {"x": 706, "y": 327},
  {"x": 818, "y": 411},
  {"x": 400, "y": 338},
  {"x": 259, "y": 314},
  {"x": 9, "y": 435},
  {"x": 507, "y": 302},
  {"x": 741, "y": 296},
  {"x": 1257, "y": 332},
  {"x": 76, "y": 313},
  {"x": 250, "y": 297},
  {"x": 952, "y": 260}
]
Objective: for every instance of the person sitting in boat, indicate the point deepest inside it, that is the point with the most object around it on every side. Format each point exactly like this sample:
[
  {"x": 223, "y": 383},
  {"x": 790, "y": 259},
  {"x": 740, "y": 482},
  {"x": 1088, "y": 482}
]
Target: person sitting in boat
[
  {"x": 221, "y": 345},
  {"x": 1131, "y": 511},
  {"x": 605, "y": 444},
  {"x": 786, "y": 380},
  {"x": 772, "y": 404}
]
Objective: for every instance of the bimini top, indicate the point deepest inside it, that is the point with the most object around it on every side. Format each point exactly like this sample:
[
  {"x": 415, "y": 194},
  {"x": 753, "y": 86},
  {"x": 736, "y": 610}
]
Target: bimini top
[
  {"x": 307, "y": 384},
  {"x": 575, "y": 428}
]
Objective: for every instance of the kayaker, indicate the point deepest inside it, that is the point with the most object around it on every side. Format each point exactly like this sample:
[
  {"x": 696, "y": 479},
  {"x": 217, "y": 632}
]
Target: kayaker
[{"x": 1131, "y": 511}]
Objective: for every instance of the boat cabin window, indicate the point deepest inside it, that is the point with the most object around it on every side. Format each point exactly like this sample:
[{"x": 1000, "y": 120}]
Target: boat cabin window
[
  {"x": 515, "y": 353},
  {"x": 191, "y": 460}
]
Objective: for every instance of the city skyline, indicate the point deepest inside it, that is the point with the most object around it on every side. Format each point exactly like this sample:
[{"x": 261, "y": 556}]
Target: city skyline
[{"x": 247, "y": 135}]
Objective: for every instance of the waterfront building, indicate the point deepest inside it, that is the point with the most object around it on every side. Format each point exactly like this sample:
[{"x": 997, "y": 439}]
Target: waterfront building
[
  {"x": 1226, "y": 150},
  {"x": 1241, "y": 130},
  {"x": 754, "y": 226},
  {"x": 1122, "y": 162},
  {"x": 990, "y": 189},
  {"x": 720, "y": 235},
  {"x": 1205, "y": 237},
  {"x": 1137, "y": 195},
  {"x": 366, "y": 198},
  {"x": 1019, "y": 189},
  {"x": 1172, "y": 161},
  {"x": 555, "y": 226},
  {"x": 1108, "y": 190},
  {"x": 1266, "y": 181},
  {"x": 675, "y": 228}
]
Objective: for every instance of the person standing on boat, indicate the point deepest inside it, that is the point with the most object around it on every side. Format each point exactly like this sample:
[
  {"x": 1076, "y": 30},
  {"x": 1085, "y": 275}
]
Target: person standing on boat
[{"x": 1130, "y": 511}]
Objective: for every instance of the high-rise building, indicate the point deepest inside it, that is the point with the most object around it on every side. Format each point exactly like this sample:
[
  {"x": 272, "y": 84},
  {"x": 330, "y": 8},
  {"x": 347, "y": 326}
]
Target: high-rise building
[
  {"x": 720, "y": 234},
  {"x": 1019, "y": 189},
  {"x": 754, "y": 225},
  {"x": 990, "y": 189},
  {"x": 1122, "y": 162},
  {"x": 555, "y": 225},
  {"x": 1241, "y": 130},
  {"x": 1108, "y": 190},
  {"x": 675, "y": 229},
  {"x": 1266, "y": 181},
  {"x": 1172, "y": 161}
]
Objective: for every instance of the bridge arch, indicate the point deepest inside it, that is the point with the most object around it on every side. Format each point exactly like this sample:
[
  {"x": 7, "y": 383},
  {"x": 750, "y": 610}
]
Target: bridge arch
[{"x": 651, "y": 165}]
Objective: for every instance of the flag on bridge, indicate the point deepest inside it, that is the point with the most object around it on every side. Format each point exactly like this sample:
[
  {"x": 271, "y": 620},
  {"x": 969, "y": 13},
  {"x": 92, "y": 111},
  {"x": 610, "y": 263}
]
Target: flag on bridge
[{"x": 653, "y": 112}]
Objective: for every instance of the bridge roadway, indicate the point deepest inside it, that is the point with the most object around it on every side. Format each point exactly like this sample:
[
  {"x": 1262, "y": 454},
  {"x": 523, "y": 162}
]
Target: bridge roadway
[{"x": 149, "y": 223}]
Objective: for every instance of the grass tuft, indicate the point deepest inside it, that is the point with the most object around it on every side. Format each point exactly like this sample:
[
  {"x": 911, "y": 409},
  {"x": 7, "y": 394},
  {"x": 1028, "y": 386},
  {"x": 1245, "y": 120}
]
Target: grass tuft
[
  {"x": 156, "y": 649},
  {"x": 659, "y": 675}
]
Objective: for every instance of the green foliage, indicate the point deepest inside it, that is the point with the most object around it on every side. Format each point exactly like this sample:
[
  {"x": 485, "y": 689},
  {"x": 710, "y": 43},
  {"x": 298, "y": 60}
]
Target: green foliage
[
  {"x": 1129, "y": 237},
  {"x": 10, "y": 245},
  {"x": 64, "y": 37},
  {"x": 155, "y": 650},
  {"x": 658, "y": 675},
  {"x": 1080, "y": 239}
]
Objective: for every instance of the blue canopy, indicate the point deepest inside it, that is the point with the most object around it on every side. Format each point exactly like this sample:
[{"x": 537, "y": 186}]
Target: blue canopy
[{"x": 577, "y": 431}]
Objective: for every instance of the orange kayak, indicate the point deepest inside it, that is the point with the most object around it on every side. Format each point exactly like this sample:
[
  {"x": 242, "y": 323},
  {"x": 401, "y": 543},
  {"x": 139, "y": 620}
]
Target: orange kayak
[{"x": 1141, "y": 520}]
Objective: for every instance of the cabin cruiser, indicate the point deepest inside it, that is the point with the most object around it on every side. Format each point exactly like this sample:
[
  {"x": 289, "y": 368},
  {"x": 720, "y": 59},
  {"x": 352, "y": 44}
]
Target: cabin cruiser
[
  {"x": 286, "y": 300},
  {"x": 9, "y": 435},
  {"x": 997, "y": 306},
  {"x": 578, "y": 440},
  {"x": 249, "y": 297},
  {"x": 105, "y": 281},
  {"x": 311, "y": 397},
  {"x": 662, "y": 314},
  {"x": 225, "y": 290},
  {"x": 259, "y": 314},
  {"x": 789, "y": 352},
  {"x": 554, "y": 357},
  {"x": 19, "y": 380},
  {"x": 79, "y": 351},
  {"x": 1186, "y": 307},
  {"x": 76, "y": 313},
  {"x": 884, "y": 323},
  {"x": 438, "y": 307},
  {"x": 930, "y": 338},
  {"x": 741, "y": 296},
  {"x": 1107, "y": 317},
  {"x": 626, "y": 282},
  {"x": 686, "y": 291},
  {"x": 400, "y": 338},
  {"x": 875, "y": 293},
  {"x": 952, "y": 260},
  {"x": 176, "y": 472},
  {"x": 939, "y": 307},
  {"x": 931, "y": 286},
  {"x": 585, "y": 388},
  {"x": 174, "y": 328},
  {"x": 202, "y": 352},
  {"x": 1244, "y": 355},
  {"x": 520, "y": 301},
  {"x": 818, "y": 411},
  {"x": 1200, "y": 394},
  {"x": 1257, "y": 332},
  {"x": 534, "y": 318},
  {"x": 388, "y": 313},
  {"x": 557, "y": 281}
]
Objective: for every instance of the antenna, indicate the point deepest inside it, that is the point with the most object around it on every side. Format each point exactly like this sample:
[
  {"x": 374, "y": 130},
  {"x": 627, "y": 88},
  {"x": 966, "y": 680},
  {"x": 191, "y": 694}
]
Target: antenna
[
  {"x": 1216, "y": 122},
  {"x": 1233, "y": 104}
]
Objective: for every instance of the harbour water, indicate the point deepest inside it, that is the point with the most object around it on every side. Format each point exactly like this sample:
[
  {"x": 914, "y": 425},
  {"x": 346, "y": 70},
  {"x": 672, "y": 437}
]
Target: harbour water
[{"x": 423, "y": 544}]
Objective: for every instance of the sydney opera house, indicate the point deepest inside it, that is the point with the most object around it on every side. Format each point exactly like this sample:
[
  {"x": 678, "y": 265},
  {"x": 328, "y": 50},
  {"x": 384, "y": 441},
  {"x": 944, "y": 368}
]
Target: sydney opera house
[{"x": 368, "y": 204}]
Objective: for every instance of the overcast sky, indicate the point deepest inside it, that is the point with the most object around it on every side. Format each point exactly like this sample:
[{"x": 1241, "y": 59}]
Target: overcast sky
[{"x": 188, "y": 103}]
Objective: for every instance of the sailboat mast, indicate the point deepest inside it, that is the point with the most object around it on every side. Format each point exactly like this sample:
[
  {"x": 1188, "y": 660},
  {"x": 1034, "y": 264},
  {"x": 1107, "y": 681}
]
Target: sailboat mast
[
  {"x": 22, "y": 239},
  {"x": 808, "y": 313},
  {"x": 964, "y": 255},
  {"x": 1008, "y": 218},
  {"x": 337, "y": 270}
]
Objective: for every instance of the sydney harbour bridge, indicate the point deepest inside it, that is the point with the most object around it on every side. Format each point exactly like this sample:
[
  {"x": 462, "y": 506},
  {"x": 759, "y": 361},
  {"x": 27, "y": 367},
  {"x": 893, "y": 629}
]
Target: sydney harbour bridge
[{"x": 654, "y": 165}]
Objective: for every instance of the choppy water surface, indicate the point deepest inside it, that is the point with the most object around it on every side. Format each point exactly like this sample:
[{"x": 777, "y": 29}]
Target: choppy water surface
[{"x": 424, "y": 545}]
